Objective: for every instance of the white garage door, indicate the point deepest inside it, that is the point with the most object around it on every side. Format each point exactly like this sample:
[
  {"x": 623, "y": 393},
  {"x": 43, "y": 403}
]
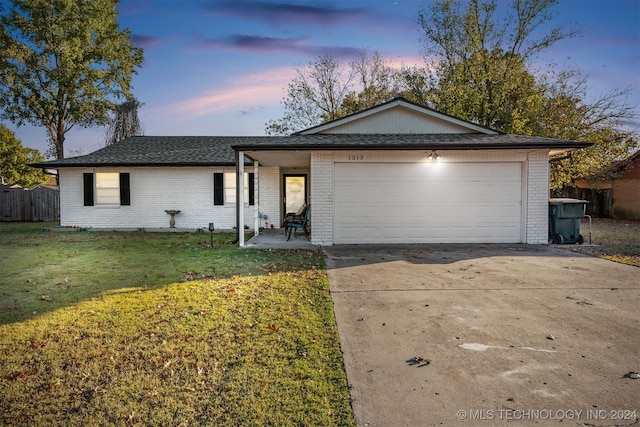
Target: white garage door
[{"x": 428, "y": 202}]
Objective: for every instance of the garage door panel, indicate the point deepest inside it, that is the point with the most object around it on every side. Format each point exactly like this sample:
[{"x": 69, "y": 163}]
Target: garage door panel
[{"x": 428, "y": 203}]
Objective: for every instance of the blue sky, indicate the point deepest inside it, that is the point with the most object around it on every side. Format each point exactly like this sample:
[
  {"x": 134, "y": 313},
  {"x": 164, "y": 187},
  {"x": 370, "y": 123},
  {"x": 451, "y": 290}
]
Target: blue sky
[{"x": 220, "y": 67}]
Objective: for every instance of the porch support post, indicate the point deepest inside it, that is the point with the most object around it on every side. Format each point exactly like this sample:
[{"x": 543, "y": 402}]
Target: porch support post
[
  {"x": 240, "y": 195},
  {"x": 256, "y": 198}
]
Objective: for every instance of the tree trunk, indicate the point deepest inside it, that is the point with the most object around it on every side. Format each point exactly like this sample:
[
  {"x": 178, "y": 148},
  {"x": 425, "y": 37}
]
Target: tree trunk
[
  {"x": 59, "y": 143},
  {"x": 58, "y": 138}
]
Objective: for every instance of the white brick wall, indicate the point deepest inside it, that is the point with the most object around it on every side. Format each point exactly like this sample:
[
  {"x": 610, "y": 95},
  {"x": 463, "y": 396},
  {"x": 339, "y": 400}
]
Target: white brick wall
[
  {"x": 269, "y": 190},
  {"x": 537, "y": 207},
  {"x": 322, "y": 198},
  {"x": 153, "y": 190},
  {"x": 191, "y": 190}
]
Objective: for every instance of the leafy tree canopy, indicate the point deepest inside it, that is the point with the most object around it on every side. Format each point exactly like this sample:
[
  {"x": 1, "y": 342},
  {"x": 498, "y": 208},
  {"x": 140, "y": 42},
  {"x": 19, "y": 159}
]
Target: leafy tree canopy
[
  {"x": 482, "y": 71},
  {"x": 327, "y": 89},
  {"x": 481, "y": 62},
  {"x": 14, "y": 160},
  {"x": 479, "y": 66},
  {"x": 61, "y": 64}
]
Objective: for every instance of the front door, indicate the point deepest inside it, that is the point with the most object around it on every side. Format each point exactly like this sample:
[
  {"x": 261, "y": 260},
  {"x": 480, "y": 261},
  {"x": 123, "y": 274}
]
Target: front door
[{"x": 295, "y": 192}]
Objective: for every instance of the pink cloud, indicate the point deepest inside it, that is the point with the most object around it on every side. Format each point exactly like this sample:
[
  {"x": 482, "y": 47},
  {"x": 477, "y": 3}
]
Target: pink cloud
[{"x": 241, "y": 93}]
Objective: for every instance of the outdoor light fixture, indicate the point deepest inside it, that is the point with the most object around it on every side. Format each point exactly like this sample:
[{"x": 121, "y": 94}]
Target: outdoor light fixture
[
  {"x": 433, "y": 155},
  {"x": 211, "y": 229}
]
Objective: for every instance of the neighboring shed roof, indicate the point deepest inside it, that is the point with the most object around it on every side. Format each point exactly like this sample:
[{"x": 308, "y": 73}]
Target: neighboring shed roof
[
  {"x": 628, "y": 161},
  {"x": 219, "y": 150}
]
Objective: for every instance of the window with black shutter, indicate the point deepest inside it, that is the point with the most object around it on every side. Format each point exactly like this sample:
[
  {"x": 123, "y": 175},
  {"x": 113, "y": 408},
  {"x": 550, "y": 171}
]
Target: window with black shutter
[
  {"x": 252, "y": 196},
  {"x": 218, "y": 189},
  {"x": 125, "y": 193},
  {"x": 88, "y": 188},
  {"x": 107, "y": 188}
]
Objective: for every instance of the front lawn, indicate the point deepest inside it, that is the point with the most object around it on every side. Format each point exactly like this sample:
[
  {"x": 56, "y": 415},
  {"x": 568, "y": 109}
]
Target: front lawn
[
  {"x": 113, "y": 328},
  {"x": 613, "y": 239}
]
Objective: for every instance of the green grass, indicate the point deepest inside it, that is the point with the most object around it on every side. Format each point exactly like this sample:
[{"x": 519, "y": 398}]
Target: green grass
[{"x": 161, "y": 329}]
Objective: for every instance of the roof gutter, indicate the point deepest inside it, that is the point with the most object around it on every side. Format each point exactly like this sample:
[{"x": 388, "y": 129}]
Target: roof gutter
[
  {"x": 411, "y": 147},
  {"x": 127, "y": 165}
]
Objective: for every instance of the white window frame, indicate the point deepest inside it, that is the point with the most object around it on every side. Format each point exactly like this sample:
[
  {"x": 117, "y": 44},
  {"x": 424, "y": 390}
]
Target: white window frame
[
  {"x": 229, "y": 180},
  {"x": 107, "y": 188}
]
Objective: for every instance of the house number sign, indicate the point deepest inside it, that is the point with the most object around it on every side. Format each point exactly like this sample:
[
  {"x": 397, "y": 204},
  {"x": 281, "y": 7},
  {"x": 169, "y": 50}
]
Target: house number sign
[{"x": 356, "y": 157}]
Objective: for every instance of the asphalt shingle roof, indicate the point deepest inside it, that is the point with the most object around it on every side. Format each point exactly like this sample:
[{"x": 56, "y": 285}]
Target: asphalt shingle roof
[
  {"x": 219, "y": 150},
  {"x": 448, "y": 141},
  {"x": 157, "y": 151}
]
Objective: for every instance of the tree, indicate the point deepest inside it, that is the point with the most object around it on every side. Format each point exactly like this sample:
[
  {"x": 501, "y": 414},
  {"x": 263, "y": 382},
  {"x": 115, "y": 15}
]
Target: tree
[
  {"x": 489, "y": 88},
  {"x": 327, "y": 89},
  {"x": 375, "y": 82},
  {"x": 482, "y": 72},
  {"x": 416, "y": 84},
  {"x": 61, "y": 64},
  {"x": 14, "y": 161},
  {"x": 481, "y": 61},
  {"x": 314, "y": 96},
  {"x": 565, "y": 114},
  {"x": 125, "y": 123}
]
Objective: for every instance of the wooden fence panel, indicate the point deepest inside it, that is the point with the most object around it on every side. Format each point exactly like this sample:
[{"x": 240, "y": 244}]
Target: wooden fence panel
[
  {"x": 35, "y": 205},
  {"x": 600, "y": 200}
]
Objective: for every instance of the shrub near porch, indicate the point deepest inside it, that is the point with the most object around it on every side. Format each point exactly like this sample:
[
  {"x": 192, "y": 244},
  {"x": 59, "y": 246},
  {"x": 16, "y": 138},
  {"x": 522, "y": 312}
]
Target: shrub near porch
[{"x": 177, "y": 340}]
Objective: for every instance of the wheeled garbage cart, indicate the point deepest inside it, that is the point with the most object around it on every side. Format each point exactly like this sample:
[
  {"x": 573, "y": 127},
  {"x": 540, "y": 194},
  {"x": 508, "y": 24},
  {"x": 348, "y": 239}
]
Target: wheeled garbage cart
[{"x": 564, "y": 220}]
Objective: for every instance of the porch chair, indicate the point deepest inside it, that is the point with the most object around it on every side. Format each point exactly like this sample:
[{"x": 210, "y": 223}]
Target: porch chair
[
  {"x": 290, "y": 216},
  {"x": 294, "y": 223}
]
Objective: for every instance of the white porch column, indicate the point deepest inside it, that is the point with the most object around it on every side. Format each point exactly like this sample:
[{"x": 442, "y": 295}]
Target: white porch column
[
  {"x": 256, "y": 198},
  {"x": 240, "y": 193}
]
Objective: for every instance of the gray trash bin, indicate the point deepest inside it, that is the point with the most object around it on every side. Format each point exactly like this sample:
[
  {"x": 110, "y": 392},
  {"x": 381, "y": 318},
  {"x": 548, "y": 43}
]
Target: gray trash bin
[{"x": 564, "y": 220}]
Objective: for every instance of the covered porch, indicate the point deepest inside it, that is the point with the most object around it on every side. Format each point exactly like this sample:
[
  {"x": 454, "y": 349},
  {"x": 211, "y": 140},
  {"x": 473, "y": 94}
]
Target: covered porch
[{"x": 282, "y": 184}]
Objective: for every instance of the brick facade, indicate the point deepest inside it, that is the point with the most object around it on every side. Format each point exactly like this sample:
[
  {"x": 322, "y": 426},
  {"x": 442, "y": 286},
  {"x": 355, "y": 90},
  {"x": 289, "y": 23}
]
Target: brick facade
[
  {"x": 322, "y": 197},
  {"x": 626, "y": 198},
  {"x": 190, "y": 189},
  {"x": 269, "y": 195},
  {"x": 153, "y": 190},
  {"x": 537, "y": 198},
  {"x": 626, "y": 191}
]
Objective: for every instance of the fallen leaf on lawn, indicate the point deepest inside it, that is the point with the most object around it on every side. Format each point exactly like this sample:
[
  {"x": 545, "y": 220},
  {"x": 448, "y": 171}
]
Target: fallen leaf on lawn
[
  {"x": 46, "y": 298},
  {"x": 14, "y": 376}
]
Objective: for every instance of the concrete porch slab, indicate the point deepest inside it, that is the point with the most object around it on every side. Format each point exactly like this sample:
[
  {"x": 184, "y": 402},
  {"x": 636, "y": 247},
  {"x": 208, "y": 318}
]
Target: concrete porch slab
[{"x": 276, "y": 239}]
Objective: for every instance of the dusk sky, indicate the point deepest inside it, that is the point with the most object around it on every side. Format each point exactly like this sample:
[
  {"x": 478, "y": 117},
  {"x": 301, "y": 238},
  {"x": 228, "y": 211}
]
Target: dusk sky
[{"x": 220, "y": 67}]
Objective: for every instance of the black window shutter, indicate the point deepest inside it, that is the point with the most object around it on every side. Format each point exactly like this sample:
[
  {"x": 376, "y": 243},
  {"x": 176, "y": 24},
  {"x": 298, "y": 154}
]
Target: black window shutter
[
  {"x": 252, "y": 198},
  {"x": 125, "y": 193},
  {"x": 218, "y": 189},
  {"x": 88, "y": 188}
]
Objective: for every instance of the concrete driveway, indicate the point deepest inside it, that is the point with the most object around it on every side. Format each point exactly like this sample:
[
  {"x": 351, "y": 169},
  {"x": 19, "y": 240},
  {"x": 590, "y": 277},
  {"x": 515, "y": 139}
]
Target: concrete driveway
[{"x": 487, "y": 335}]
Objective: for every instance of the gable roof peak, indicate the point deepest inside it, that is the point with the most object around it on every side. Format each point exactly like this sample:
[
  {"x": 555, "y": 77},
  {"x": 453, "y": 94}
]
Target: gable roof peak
[{"x": 399, "y": 102}]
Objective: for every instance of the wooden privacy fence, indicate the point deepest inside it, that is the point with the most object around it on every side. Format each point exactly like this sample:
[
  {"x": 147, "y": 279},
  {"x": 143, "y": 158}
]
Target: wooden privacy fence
[
  {"x": 37, "y": 204},
  {"x": 600, "y": 200}
]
